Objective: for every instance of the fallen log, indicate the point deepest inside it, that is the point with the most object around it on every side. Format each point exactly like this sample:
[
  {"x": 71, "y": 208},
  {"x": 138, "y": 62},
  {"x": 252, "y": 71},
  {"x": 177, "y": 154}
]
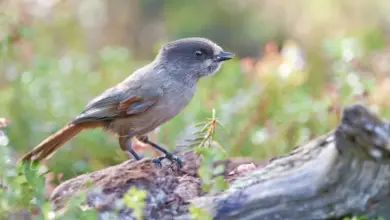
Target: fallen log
[{"x": 343, "y": 173}]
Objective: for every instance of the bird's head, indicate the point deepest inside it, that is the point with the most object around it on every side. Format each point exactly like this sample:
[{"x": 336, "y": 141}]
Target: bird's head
[{"x": 197, "y": 57}]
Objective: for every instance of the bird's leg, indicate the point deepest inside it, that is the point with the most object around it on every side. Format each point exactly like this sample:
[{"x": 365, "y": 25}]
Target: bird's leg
[
  {"x": 167, "y": 154},
  {"x": 126, "y": 146}
]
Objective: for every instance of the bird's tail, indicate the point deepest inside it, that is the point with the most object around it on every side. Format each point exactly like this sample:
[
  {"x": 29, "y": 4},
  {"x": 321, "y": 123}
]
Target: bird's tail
[{"x": 51, "y": 144}]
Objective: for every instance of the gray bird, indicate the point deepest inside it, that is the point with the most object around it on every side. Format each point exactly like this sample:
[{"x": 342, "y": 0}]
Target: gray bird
[{"x": 149, "y": 97}]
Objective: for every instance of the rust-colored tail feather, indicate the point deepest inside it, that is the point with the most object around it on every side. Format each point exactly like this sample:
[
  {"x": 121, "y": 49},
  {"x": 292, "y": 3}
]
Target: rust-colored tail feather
[{"x": 51, "y": 144}]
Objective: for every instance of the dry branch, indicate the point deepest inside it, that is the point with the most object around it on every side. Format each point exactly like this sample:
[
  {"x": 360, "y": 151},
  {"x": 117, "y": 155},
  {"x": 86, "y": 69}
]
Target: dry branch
[{"x": 345, "y": 172}]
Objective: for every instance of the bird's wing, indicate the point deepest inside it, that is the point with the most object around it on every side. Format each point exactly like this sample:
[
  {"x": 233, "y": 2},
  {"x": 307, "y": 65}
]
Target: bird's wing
[{"x": 121, "y": 101}]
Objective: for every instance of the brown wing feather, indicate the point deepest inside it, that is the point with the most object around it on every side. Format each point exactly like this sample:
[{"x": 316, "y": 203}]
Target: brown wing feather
[
  {"x": 130, "y": 105},
  {"x": 125, "y": 104},
  {"x": 136, "y": 105}
]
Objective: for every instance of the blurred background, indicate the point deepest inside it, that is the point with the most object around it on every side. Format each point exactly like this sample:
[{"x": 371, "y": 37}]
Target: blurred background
[{"x": 298, "y": 63}]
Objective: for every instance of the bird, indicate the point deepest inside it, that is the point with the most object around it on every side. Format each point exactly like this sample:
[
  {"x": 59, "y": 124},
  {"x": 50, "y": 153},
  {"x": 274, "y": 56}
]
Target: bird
[{"x": 148, "y": 98}]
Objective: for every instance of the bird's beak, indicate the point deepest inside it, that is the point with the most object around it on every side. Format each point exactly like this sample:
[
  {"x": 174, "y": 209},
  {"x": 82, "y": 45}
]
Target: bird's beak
[{"x": 222, "y": 56}]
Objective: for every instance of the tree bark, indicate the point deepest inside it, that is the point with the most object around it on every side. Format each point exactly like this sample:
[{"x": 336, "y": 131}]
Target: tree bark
[{"x": 343, "y": 173}]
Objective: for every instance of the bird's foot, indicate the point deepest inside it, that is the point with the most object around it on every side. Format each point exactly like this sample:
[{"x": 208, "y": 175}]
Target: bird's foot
[
  {"x": 171, "y": 157},
  {"x": 175, "y": 159},
  {"x": 157, "y": 161}
]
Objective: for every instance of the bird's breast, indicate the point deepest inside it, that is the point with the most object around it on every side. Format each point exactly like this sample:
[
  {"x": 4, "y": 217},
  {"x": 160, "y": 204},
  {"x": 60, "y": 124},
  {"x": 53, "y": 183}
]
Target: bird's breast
[{"x": 174, "y": 101}]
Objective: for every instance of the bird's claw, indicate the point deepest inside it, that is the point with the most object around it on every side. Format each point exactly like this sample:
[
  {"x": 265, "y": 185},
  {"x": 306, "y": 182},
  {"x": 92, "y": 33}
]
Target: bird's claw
[
  {"x": 172, "y": 158},
  {"x": 176, "y": 159},
  {"x": 157, "y": 161}
]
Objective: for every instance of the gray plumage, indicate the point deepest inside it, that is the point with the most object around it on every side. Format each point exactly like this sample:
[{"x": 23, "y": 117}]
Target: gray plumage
[
  {"x": 149, "y": 97},
  {"x": 167, "y": 85}
]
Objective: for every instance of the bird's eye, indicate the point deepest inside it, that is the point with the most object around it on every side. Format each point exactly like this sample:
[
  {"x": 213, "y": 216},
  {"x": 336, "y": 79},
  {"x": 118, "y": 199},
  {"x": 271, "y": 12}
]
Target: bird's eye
[{"x": 198, "y": 53}]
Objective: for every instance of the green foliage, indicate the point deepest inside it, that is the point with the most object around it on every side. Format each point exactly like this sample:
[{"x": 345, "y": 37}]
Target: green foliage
[
  {"x": 211, "y": 152},
  {"x": 36, "y": 183},
  {"x": 135, "y": 199},
  {"x": 76, "y": 209},
  {"x": 22, "y": 189},
  {"x": 212, "y": 175},
  {"x": 198, "y": 213}
]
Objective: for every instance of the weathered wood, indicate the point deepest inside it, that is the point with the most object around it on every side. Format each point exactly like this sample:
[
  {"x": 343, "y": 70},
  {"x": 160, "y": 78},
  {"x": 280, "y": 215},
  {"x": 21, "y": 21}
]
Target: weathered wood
[
  {"x": 345, "y": 172},
  {"x": 169, "y": 189}
]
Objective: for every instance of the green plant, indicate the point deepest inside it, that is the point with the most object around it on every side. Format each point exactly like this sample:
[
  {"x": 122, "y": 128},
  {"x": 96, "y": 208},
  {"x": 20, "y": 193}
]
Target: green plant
[
  {"x": 198, "y": 213},
  {"x": 76, "y": 209},
  {"x": 211, "y": 152},
  {"x": 135, "y": 199},
  {"x": 22, "y": 189}
]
